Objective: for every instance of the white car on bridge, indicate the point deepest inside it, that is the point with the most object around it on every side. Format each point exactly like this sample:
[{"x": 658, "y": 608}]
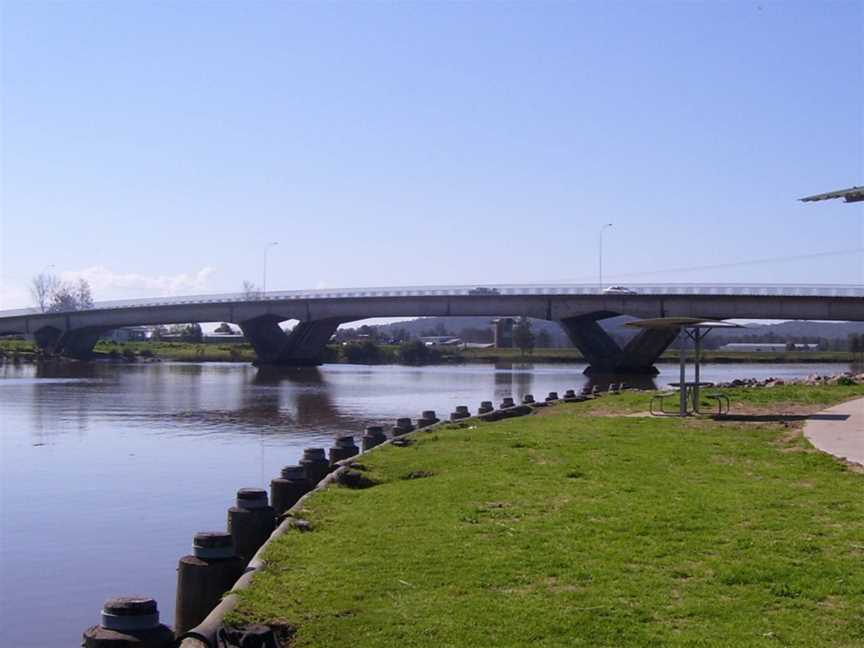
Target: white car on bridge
[{"x": 618, "y": 290}]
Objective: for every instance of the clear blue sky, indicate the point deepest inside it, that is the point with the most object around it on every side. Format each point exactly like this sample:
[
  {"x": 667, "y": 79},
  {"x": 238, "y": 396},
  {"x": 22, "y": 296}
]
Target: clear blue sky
[{"x": 157, "y": 147}]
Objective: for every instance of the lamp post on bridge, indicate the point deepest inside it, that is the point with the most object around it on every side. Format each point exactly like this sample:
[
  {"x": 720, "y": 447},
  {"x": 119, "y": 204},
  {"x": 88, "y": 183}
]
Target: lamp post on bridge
[
  {"x": 266, "y": 250},
  {"x": 600, "y": 256}
]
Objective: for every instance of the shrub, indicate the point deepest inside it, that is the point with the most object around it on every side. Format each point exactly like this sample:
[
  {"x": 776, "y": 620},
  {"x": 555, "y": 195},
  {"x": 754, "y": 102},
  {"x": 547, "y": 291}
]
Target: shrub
[
  {"x": 415, "y": 352},
  {"x": 363, "y": 353}
]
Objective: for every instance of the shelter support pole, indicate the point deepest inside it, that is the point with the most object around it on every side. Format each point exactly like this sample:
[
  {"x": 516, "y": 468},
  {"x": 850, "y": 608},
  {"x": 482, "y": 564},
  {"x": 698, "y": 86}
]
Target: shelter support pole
[{"x": 682, "y": 397}]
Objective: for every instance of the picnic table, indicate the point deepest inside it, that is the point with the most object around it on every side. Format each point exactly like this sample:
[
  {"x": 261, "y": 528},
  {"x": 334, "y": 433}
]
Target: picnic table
[{"x": 692, "y": 392}]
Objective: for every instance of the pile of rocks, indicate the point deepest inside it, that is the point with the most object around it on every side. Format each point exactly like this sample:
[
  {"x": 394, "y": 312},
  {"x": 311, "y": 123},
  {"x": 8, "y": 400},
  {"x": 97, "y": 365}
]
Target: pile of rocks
[{"x": 845, "y": 378}]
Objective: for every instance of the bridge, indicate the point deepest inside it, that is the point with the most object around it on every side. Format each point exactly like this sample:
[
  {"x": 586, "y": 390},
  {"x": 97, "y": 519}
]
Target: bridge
[{"x": 578, "y": 308}]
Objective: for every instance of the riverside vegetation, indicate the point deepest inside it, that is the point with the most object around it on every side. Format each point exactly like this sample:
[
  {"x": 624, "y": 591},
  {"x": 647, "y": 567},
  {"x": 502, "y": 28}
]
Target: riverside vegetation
[
  {"x": 407, "y": 353},
  {"x": 584, "y": 525}
]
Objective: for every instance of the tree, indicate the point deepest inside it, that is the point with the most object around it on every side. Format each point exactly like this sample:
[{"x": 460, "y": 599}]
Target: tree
[
  {"x": 71, "y": 297},
  {"x": 251, "y": 292},
  {"x": 224, "y": 327},
  {"x": 158, "y": 332},
  {"x": 399, "y": 335},
  {"x": 192, "y": 333},
  {"x": 42, "y": 288},
  {"x": 415, "y": 353},
  {"x": 366, "y": 352},
  {"x": 523, "y": 336},
  {"x": 83, "y": 295}
]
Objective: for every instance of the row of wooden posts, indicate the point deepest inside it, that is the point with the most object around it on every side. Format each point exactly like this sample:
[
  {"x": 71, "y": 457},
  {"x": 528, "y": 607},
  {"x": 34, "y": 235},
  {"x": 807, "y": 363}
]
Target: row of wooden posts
[{"x": 219, "y": 558}]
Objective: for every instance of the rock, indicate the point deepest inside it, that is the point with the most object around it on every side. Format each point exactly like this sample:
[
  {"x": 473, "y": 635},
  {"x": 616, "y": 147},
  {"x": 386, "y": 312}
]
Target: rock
[{"x": 354, "y": 479}]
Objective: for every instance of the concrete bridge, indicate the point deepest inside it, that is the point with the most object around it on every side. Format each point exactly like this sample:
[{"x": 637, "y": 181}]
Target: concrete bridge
[{"x": 577, "y": 308}]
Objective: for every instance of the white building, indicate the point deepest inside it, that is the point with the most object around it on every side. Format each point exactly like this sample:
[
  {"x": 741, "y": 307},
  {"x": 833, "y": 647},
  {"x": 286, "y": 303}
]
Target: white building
[{"x": 765, "y": 347}]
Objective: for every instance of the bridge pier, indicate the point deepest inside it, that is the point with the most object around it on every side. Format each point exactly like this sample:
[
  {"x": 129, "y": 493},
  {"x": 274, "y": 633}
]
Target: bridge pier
[
  {"x": 79, "y": 343},
  {"x": 72, "y": 343},
  {"x": 302, "y": 347},
  {"x": 47, "y": 338},
  {"x": 605, "y": 356}
]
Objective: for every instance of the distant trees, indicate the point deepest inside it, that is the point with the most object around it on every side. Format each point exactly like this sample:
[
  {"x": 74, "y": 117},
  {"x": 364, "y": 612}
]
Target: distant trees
[
  {"x": 363, "y": 352},
  {"x": 438, "y": 331},
  {"x": 399, "y": 335},
  {"x": 192, "y": 333},
  {"x": 251, "y": 291},
  {"x": 188, "y": 332},
  {"x": 54, "y": 296},
  {"x": 42, "y": 288},
  {"x": 364, "y": 332},
  {"x": 158, "y": 332},
  {"x": 417, "y": 353},
  {"x": 224, "y": 327},
  {"x": 523, "y": 335}
]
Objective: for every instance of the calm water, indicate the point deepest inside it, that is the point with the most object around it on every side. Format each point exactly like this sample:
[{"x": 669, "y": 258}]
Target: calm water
[{"x": 107, "y": 471}]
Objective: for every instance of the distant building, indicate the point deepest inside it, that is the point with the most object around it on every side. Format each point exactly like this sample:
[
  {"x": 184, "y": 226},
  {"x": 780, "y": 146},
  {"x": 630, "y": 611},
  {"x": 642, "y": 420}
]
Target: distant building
[
  {"x": 503, "y": 332},
  {"x": 765, "y": 347},
  {"x": 127, "y": 334},
  {"x": 440, "y": 340}
]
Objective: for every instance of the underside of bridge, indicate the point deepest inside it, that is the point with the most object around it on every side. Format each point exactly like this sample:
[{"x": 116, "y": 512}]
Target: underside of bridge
[
  {"x": 605, "y": 356},
  {"x": 303, "y": 346}
]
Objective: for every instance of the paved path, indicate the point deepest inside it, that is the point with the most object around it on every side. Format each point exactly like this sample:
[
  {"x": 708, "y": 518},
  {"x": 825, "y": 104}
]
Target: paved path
[{"x": 839, "y": 430}]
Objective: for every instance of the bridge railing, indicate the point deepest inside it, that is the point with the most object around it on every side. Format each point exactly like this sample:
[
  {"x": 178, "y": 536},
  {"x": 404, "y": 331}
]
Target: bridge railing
[{"x": 758, "y": 290}]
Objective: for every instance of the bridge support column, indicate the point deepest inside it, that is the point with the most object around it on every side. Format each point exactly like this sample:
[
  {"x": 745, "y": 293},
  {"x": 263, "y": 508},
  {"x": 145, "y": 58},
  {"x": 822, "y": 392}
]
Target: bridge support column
[
  {"x": 605, "y": 356},
  {"x": 47, "y": 338},
  {"x": 73, "y": 343},
  {"x": 79, "y": 343},
  {"x": 302, "y": 347}
]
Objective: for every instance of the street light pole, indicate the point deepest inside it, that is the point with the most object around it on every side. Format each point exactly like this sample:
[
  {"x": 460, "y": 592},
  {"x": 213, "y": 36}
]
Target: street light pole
[
  {"x": 600, "y": 256},
  {"x": 266, "y": 250}
]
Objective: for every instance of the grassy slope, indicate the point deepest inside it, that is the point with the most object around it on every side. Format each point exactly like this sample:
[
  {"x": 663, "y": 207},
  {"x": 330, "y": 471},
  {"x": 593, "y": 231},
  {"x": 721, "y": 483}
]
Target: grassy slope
[{"x": 573, "y": 530}]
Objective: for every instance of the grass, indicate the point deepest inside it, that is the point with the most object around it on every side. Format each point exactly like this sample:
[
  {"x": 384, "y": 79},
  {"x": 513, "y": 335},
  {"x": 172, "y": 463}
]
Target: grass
[
  {"x": 791, "y": 399},
  {"x": 574, "y": 530}
]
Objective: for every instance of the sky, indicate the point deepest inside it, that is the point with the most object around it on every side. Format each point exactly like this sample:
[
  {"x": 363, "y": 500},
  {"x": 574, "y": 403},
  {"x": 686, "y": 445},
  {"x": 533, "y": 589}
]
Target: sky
[{"x": 157, "y": 148}]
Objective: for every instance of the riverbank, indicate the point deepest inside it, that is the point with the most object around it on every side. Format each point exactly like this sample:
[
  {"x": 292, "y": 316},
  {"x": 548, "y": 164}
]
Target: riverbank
[
  {"x": 24, "y": 351},
  {"x": 587, "y": 524}
]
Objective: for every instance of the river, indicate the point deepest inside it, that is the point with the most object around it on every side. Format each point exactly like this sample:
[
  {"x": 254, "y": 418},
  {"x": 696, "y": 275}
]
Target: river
[{"x": 107, "y": 471}]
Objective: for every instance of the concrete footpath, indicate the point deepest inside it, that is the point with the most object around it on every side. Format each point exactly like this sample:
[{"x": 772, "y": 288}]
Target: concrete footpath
[{"x": 839, "y": 430}]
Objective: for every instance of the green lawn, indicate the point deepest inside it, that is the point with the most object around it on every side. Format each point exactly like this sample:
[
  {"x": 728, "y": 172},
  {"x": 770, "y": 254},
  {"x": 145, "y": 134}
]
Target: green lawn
[{"x": 575, "y": 530}]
